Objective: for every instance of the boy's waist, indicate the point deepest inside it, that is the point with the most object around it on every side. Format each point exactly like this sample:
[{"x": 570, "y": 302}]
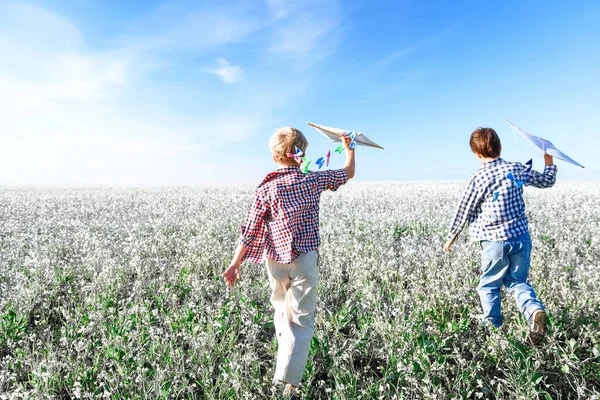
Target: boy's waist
[
  {"x": 518, "y": 238},
  {"x": 512, "y": 230}
]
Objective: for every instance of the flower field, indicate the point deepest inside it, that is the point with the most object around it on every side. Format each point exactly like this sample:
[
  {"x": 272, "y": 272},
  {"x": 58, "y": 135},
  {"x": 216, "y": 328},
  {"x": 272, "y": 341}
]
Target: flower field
[{"x": 116, "y": 293}]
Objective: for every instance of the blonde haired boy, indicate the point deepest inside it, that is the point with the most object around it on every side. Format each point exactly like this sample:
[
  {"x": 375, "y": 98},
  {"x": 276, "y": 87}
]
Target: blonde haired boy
[{"x": 282, "y": 227}]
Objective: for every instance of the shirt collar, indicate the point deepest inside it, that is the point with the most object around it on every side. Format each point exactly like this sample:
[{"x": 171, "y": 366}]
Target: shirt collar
[
  {"x": 289, "y": 168},
  {"x": 493, "y": 163},
  {"x": 278, "y": 172}
]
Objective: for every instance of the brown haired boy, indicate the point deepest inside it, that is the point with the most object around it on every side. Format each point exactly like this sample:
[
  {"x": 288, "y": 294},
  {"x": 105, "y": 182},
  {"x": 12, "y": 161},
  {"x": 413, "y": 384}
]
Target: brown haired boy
[{"x": 493, "y": 206}]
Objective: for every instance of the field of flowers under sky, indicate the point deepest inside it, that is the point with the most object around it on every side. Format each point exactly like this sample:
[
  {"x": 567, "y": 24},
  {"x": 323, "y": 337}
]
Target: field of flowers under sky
[{"x": 116, "y": 293}]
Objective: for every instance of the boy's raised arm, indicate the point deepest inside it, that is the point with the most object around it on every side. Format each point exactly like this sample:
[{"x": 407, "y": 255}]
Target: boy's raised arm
[
  {"x": 545, "y": 179},
  {"x": 350, "y": 163},
  {"x": 332, "y": 179}
]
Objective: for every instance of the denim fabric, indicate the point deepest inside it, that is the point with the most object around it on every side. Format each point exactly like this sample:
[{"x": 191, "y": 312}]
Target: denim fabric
[{"x": 506, "y": 263}]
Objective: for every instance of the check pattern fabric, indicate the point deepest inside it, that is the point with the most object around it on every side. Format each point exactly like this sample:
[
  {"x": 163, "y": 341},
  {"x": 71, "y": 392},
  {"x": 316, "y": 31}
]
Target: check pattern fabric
[
  {"x": 501, "y": 216},
  {"x": 283, "y": 220}
]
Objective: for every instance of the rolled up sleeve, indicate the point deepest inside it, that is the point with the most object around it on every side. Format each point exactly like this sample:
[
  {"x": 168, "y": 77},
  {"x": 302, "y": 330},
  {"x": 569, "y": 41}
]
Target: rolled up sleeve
[
  {"x": 254, "y": 221},
  {"x": 541, "y": 180},
  {"x": 331, "y": 179}
]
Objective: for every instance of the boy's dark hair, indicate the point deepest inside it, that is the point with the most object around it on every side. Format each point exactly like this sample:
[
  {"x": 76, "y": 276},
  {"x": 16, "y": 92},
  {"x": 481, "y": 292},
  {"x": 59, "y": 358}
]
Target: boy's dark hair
[{"x": 485, "y": 141}]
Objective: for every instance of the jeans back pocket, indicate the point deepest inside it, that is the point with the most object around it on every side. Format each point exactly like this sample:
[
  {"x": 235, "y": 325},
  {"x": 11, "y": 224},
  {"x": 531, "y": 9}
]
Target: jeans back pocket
[{"x": 491, "y": 253}]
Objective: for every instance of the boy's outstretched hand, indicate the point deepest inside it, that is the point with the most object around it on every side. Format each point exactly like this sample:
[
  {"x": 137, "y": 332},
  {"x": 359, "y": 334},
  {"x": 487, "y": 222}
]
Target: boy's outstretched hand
[
  {"x": 350, "y": 166},
  {"x": 232, "y": 274},
  {"x": 346, "y": 143},
  {"x": 448, "y": 245}
]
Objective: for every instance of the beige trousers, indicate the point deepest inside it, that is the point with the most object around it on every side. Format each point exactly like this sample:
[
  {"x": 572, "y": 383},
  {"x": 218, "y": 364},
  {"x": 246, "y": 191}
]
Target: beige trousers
[{"x": 294, "y": 295}]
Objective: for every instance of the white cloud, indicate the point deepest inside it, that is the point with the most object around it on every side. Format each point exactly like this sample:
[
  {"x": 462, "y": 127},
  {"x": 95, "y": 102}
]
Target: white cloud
[
  {"x": 212, "y": 25},
  {"x": 226, "y": 72},
  {"x": 304, "y": 28},
  {"x": 278, "y": 8},
  {"x": 72, "y": 89},
  {"x": 394, "y": 56},
  {"x": 301, "y": 36},
  {"x": 72, "y": 114},
  {"x": 116, "y": 72}
]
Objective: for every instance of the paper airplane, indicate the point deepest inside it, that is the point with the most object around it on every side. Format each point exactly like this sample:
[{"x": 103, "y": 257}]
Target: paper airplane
[
  {"x": 545, "y": 145},
  {"x": 335, "y": 135}
]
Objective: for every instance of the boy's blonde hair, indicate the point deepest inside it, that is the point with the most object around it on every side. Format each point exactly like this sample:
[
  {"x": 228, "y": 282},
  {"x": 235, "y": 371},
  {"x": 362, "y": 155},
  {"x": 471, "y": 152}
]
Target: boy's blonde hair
[{"x": 284, "y": 141}]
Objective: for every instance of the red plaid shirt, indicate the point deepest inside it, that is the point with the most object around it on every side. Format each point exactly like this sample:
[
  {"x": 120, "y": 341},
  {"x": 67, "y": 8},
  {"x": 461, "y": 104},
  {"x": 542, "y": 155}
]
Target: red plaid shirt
[{"x": 283, "y": 220}]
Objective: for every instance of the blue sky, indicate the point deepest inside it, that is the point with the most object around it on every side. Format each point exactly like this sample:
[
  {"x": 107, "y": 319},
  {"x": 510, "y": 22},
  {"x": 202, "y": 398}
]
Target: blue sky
[{"x": 176, "y": 92}]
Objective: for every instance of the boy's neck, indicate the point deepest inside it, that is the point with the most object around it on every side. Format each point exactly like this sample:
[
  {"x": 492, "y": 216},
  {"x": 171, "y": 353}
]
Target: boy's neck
[
  {"x": 285, "y": 166},
  {"x": 485, "y": 160}
]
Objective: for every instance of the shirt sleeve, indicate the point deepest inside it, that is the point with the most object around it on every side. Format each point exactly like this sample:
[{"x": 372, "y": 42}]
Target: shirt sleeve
[
  {"x": 466, "y": 207},
  {"x": 541, "y": 180},
  {"x": 331, "y": 179},
  {"x": 254, "y": 221}
]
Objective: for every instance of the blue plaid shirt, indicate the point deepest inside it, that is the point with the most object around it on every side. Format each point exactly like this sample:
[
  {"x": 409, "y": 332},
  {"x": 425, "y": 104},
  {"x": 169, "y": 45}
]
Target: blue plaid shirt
[{"x": 493, "y": 205}]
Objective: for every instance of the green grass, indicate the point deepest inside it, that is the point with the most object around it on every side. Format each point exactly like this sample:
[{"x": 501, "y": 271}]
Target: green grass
[{"x": 137, "y": 310}]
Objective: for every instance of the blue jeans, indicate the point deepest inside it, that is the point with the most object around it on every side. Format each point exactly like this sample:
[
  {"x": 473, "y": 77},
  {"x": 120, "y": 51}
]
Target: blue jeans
[{"x": 506, "y": 262}]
